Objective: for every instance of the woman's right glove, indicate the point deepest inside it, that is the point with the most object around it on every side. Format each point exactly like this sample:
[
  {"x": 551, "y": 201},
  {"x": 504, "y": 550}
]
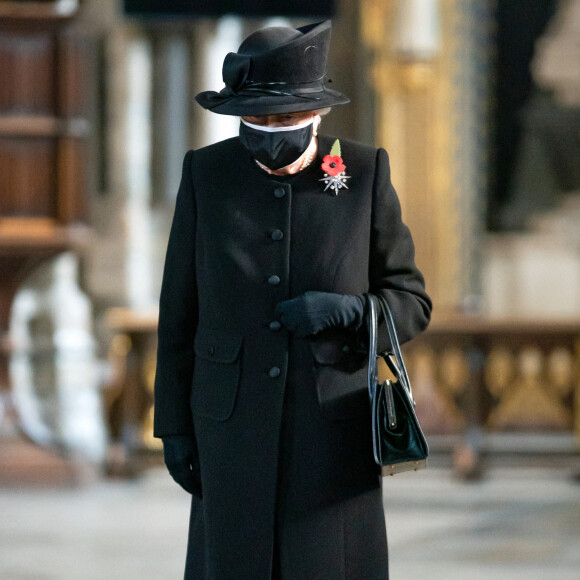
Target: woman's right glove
[{"x": 180, "y": 454}]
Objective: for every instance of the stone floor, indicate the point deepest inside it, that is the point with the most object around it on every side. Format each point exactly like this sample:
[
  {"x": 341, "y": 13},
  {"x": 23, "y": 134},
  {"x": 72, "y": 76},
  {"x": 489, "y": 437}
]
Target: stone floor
[{"x": 516, "y": 524}]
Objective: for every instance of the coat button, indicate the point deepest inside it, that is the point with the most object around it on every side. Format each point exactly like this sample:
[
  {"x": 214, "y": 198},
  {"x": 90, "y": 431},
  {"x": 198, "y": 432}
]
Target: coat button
[
  {"x": 211, "y": 351},
  {"x": 277, "y": 235},
  {"x": 279, "y": 192},
  {"x": 346, "y": 348},
  {"x": 274, "y": 372},
  {"x": 275, "y": 325},
  {"x": 274, "y": 280}
]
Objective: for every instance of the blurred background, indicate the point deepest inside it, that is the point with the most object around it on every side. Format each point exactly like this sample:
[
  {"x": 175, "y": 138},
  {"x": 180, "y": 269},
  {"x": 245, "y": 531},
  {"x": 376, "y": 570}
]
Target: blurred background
[{"x": 478, "y": 105}]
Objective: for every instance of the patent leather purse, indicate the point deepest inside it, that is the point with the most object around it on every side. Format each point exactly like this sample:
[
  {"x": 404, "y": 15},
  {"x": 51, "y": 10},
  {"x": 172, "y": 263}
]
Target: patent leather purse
[{"x": 398, "y": 441}]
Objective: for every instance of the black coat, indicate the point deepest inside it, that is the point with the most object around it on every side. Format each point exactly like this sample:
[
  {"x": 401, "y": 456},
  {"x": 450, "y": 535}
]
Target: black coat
[{"x": 283, "y": 479}]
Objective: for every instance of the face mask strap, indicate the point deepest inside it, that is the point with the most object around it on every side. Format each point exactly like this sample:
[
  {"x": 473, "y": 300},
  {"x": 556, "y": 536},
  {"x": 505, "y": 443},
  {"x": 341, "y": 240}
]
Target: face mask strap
[{"x": 267, "y": 129}]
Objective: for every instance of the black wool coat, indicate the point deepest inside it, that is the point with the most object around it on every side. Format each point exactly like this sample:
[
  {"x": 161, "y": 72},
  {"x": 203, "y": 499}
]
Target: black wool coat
[{"x": 290, "y": 488}]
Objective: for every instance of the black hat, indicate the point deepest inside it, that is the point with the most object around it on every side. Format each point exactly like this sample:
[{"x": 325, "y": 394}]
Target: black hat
[{"x": 276, "y": 70}]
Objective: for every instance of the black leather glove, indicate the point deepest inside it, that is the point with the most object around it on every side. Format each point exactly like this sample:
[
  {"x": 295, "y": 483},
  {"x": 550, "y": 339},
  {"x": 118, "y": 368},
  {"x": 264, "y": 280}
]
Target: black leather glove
[
  {"x": 312, "y": 312},
  {"x": 180, "y": 453}
]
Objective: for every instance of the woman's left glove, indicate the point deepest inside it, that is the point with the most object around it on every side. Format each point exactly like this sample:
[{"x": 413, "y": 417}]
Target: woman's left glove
[
  {"x": 180, "y": 454},
  {"x": 312, "y": 312}
]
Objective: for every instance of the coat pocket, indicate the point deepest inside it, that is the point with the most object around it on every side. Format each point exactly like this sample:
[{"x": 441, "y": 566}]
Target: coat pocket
[
  {"x": 216, "y": 373},
  {"x": 341, "y": 380}
]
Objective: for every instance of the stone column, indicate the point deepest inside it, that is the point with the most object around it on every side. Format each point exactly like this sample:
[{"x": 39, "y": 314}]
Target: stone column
[
  {"x": 119, "y": 263},
  {"x": 53, "y": 368},
  {"x": 431, "y": 116},
  {"x": 214, "y": 42}
]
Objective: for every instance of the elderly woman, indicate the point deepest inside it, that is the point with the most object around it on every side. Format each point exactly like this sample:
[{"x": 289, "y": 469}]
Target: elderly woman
[{"x": 260, "y": 393}]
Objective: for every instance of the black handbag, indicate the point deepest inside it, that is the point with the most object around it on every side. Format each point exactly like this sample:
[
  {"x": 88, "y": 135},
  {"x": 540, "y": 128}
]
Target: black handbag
[{"x": 398, "y": 441}]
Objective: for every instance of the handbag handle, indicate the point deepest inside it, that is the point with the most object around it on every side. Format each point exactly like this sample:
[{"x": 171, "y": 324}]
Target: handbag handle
[
  {"x": 400, "y": 370},
  {"x": 373, "y": 371}
]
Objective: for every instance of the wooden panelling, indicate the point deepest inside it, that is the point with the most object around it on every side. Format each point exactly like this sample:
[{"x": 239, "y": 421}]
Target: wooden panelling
[
  {"x": 15, "y": 229},
  {"x": 28, "y": 62},
  {"x": 72, "y": 76},
  {"x": 28, "y": 178},
  {"x": 43, "y": 132},
  {"x": 29, "y": 125},
  {"x": 43, "y": 12},
  {"x": 71, "y": 178}
]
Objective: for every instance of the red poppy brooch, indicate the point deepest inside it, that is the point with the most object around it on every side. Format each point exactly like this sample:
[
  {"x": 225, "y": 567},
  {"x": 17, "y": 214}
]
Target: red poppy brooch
[{"x": 334, "y": 170}]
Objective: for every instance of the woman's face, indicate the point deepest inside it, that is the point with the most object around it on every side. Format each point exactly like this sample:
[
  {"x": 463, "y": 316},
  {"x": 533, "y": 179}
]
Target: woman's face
[{"x": 280, "y": 120}]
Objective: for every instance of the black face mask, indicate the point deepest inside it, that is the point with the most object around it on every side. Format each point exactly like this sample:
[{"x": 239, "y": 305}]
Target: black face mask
[{"x": 276, "y": 147}]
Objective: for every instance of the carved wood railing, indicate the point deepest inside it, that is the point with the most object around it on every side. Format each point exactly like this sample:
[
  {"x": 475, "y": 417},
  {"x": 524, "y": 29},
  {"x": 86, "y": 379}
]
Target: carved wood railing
[
  {"x": 483, "y": 386},
  {"x": 128, "y": 398}
]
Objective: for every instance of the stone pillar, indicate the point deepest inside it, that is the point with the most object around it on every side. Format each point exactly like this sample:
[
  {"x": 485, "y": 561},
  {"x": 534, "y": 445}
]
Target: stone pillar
[
  {"x": 431, "y": 116},
  {"x": 171, "y": 108},
  {"x": 215, "y": 42},
  {"x": 120, "y": 262},
  {"x": 53, "y": 367}
]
